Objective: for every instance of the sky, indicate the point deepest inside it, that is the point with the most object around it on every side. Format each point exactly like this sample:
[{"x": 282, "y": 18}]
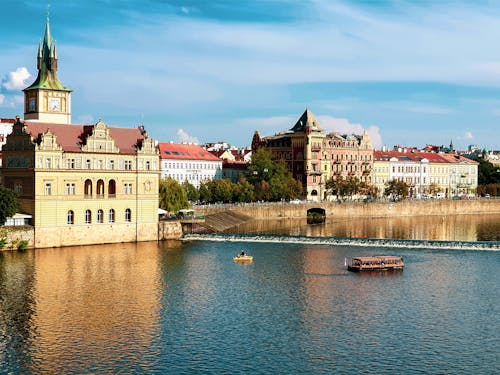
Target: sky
[{"x": 410, "y": 73}]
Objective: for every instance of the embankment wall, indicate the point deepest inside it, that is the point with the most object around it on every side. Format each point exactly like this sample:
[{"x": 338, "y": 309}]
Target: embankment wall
[{"x": 358, "y": 209}]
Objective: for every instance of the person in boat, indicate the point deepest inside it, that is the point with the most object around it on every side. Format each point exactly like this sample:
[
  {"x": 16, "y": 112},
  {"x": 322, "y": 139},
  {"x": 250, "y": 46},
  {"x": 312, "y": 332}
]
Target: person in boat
[{"x": 242, "y": 253}]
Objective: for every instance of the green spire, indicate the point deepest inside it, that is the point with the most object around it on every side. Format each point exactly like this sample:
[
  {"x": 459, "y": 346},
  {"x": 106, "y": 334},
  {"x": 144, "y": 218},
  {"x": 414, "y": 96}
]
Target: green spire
[{"x": 47, "y": 64}]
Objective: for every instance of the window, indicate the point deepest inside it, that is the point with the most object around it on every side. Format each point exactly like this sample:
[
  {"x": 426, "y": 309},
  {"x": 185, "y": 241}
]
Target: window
[
  {"x": 112, "y": 189},
  {"x": 100, "y": 188},
  {"x": 127, "y": 188},
  {"x": 148, "y": 165},
  {"x": 70, "y": 189},
  {"x": 48, "y": 163},
  {"x": 128, "y": 215},
  {"x": 70, "y": 217},
  {"x": 128, "y": 165},
  {"x": 99, "y": 216},
  {"x": 88, "y": 217},
  {"x": 111, "y": 164},
  {"x": 48, "y": 188},
  {"x": 111, "y": 216},
  {"x": 88, "y": 188},
  {"x": 18, "y": 188},
  {"x": 100, "y": 164},
  {"x": 87, "y": 163},
  {"x": 71, "y": 163}
]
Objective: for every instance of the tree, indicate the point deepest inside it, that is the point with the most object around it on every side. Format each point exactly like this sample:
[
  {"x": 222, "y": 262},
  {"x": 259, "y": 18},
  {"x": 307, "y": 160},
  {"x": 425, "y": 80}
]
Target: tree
[
  {"x": 8, "y": 204},
  {"x": 193, "y": 194},
  {"x": 244, "y": 191},
  {"x": 172, "y": 196},
  {"x": 487, "y": 173},
  {"x": 434, "y": 188},
  {"x": 396, "y": 188},
  {"x": 271, "y": 178}
]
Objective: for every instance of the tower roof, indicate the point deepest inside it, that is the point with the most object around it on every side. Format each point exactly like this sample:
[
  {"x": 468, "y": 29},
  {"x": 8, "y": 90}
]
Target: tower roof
[
  {"x": 47, "y": 64},
  {"x": 307, "y": 120}
]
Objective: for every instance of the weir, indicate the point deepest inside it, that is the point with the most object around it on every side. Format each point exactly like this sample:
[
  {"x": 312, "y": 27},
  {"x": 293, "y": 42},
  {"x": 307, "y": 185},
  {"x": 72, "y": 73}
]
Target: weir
[{"x": 379, "y": 242}]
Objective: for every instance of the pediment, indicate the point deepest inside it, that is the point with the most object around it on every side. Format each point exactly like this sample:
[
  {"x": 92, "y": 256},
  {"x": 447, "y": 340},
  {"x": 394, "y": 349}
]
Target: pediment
[{"x": 99, "y": 140}]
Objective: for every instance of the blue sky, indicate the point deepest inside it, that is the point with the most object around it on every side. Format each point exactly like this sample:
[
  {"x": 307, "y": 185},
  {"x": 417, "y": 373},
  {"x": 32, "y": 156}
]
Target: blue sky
[{"x": 410, "y": 73}]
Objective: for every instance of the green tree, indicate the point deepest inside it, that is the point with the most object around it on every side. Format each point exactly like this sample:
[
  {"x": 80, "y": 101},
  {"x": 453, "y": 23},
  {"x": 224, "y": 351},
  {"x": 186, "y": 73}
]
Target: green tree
[
  {"x": 172, "y": 196},
  {"x": 244, "y": 191},
  {"x": 193, "y": 194},
  {"x": 8, "y": 204},
  {"x": 397, "y": 189},
  {"x": 487, "y": 173},
  {"x": 271, "y": 179},
  {"x": 205, "y": 192},
  {"x": 434, "y": 188}
]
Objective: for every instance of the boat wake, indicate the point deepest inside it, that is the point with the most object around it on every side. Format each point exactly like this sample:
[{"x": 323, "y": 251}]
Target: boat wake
[{"x": 380, "y": 242}]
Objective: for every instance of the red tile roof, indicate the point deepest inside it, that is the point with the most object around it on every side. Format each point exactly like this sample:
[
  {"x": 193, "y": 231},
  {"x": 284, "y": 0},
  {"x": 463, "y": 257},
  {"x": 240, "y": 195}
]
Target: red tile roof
[
  {"x": 419, "y": 155},
  {"x": 71, "y": 137},
  {"x": 8, "y": 120},
  {"x": 185, "y": 152}
]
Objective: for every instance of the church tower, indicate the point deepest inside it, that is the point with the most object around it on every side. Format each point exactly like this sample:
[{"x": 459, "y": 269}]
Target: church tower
[{"x": 46, "y": 99}]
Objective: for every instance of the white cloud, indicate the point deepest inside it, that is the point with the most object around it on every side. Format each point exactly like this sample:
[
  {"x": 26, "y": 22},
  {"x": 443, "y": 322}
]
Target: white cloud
[
  {"x": 343, "y": 126},
  {"x": 185, "y": 10},
  {"x": 16, "y": 80},
  {"x": 185, "y": 137},
  {"x": 468, "y": 135}
]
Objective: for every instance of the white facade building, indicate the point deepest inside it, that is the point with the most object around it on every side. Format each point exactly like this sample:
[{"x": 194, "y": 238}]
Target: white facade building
[{"x": 188, "y": 162}]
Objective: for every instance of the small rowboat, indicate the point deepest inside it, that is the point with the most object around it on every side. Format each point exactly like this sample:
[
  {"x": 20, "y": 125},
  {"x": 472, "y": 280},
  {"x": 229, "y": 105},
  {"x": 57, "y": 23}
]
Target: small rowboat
[{"x": 243, "y": 258}]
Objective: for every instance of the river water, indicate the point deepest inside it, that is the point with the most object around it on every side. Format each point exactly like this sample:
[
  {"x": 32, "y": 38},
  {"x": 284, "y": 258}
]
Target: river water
[{"x": 186, "y": 308}]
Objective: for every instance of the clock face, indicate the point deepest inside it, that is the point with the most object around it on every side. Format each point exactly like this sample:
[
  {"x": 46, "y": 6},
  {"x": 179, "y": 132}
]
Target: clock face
[
  {"x": 54, "y": 104},
  {"x": 32, "y": 105}
]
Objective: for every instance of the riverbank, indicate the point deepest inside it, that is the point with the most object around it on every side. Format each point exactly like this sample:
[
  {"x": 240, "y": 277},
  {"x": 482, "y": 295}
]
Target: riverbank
[{"x": 266, "y": 211}]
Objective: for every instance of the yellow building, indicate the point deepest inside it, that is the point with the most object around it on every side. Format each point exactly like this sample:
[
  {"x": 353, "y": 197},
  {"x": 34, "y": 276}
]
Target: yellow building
[{"x": 82, "y": 184}]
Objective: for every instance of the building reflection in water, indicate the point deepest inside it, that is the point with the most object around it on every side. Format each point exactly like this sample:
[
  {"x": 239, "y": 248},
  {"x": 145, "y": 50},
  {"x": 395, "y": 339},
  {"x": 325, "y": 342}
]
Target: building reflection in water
[
  {"x": 97, "y": 302},
  {"x": 454, "y": 228}
]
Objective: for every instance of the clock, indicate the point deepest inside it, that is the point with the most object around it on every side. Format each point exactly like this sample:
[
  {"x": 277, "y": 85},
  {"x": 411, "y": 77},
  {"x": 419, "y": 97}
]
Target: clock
[
  {"x": 32, "y": 105},
  {"x": 54, "y": 104}
]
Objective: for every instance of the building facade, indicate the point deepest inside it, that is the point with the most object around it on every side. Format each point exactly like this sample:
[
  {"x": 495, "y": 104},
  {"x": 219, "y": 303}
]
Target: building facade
[
  {"x": 188, "y": 162},
  {"x": 82, "y": 184},
  {"x": 426, "y": 173},
  {"x": 313, "y": 157}
]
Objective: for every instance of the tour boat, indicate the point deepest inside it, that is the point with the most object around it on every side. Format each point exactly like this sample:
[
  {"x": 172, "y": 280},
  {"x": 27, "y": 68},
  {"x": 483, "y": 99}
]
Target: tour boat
[
  {"x": 375, "y": 263},
  {"x": 243, "y": 258}
]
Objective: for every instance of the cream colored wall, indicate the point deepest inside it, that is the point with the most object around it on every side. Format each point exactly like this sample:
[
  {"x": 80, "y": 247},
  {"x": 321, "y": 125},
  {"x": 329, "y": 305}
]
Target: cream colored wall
[
  {"x": 50, "y": 212},
  {"x": 381, "y": 175}
]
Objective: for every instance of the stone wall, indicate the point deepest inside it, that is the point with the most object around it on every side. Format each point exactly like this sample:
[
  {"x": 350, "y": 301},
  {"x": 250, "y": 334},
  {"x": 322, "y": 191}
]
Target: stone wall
[
  {"x": 355, "y": 209},
  {"x": 14, "y": 235},
  {"x": 169, "y": 230}
]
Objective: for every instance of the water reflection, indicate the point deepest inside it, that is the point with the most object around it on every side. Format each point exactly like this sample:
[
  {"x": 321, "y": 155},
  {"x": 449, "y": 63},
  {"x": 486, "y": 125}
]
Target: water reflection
[
  {"x": 79, "y": 302},
  {"x": 455, "y": 228}
]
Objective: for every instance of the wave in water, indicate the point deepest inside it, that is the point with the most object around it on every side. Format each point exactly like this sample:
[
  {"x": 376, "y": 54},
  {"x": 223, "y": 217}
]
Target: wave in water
[{"x": 381, "y": 242}]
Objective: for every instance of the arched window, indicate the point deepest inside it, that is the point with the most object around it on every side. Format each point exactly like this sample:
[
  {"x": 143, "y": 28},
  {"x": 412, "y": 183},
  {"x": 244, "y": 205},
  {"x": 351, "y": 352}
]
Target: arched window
[
  {"x": 70, "y": 217},
  {"x": 100, "y": 216},
  {"x": 88, "y": 188},
  {"x": 128, "y": 215},
  {"x": 112, "y": 189},
  {"x": 100, "y": 188},
  {"x": 111, "y": 216},
  {"x": 88, "y": 217},
  {"x": 314, "y": 193}
]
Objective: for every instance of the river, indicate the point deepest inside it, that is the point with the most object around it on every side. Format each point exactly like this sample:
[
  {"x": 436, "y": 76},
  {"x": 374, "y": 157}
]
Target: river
[{"x": 186, "y": 308}]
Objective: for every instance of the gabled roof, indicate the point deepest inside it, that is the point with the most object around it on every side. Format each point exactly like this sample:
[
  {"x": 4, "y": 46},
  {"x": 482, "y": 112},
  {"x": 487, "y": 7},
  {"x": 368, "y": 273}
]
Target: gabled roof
[
  {"x": 180, "y": 151},
  {"x": 71, "y": 137},
  {"x": 306, "y": 121}
]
